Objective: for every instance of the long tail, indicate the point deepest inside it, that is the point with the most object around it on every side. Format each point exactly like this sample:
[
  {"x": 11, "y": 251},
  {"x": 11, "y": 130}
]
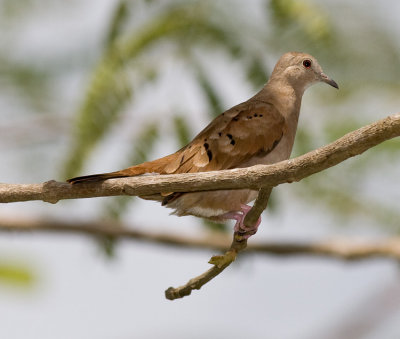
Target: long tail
[
  {"x": 129, "y": 172},
  {"x": 164, "y": 165}
]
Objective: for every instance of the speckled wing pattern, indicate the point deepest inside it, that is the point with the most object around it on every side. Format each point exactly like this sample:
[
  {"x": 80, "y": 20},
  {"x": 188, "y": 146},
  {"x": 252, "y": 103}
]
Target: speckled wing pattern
[
  {"x": 237, "y": 135},
  {"x": 250, "y": 129},
  {"x": 245, "y": 131}
]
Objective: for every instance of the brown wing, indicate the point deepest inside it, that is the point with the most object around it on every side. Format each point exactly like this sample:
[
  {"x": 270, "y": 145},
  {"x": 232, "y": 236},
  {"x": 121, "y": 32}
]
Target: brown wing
[
  {"x": 250, "y": 129},
  {"x": 244, "y": 131}
]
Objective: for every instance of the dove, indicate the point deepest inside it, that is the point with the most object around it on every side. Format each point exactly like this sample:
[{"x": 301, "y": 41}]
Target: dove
[{"x": 260, "y": 130}]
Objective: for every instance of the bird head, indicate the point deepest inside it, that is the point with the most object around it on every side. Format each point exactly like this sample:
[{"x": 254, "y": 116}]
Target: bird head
[{"x": 301, "y": 70}]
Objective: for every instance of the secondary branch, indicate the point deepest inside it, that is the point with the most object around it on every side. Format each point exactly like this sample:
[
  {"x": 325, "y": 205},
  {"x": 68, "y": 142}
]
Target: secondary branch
[{"x": 341, "y": 249}]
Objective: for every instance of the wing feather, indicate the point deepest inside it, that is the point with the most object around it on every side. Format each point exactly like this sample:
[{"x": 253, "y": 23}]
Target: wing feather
[
  {"x": 233, "y": 138},
  {"x": 249, "y": 129}
]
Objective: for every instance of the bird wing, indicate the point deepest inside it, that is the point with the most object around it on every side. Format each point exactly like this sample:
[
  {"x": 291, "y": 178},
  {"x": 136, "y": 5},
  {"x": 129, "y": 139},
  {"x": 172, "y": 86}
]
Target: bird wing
[{"x": 251, "y": 129}]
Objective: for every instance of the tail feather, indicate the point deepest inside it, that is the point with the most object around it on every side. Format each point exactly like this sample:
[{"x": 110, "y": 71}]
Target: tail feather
[
  {"x": 155, "y": 166},
  {"x": 95, "y": 178},
  {"x": 128, "y": 172}
]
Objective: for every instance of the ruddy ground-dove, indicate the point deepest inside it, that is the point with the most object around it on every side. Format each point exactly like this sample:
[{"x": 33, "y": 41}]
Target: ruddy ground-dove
[{"x": 260, "y": 130}]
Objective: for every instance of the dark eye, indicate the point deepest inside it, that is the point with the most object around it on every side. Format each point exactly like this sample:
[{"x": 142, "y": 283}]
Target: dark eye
[{"x": 307, "y": 63}]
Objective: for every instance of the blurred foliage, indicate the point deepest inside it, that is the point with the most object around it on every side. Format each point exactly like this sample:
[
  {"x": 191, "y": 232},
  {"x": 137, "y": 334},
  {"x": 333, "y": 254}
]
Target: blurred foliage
[
  {"x": 215, "y": 226},
  {"x": 12, "y": 8},
  {"x": 121, "y": 16},
  {"x": 256, "y": 72},
  {"x": 107, "y": 246},
  {"x": 15, "y": 275},
  {"x": 182, "y": 130},
  {"x": 142, "y": 147},
  {"x": 336, "y": 196},
  {"x": 309, "y": 22},
  {"x": 28, "y": 83},
  {"x": 210, "y": 93}
]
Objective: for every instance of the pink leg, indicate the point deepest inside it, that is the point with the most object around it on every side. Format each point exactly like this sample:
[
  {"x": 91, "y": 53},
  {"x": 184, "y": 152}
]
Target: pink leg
[{"x": 239, "y": 217}]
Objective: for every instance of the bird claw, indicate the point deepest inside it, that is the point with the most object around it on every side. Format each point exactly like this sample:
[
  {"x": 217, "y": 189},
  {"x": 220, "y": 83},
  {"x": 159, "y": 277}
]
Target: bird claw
[
  {"x": 246, "y": 232},
  {"x": 240, "y": 228}
]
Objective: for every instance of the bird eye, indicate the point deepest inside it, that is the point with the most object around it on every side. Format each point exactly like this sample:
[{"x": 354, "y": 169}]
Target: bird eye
[{"x": 307, "y": 63}]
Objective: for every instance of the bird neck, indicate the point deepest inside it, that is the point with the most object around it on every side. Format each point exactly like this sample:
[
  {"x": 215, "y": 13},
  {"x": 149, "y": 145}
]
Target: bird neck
[
  {"x": 287, "y": 100},
  {"x": 285, "y": 97}
]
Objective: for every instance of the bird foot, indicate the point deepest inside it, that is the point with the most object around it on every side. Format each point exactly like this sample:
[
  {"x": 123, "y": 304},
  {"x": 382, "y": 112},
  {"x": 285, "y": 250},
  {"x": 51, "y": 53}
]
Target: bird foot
[{"x": 245, "y": 231}]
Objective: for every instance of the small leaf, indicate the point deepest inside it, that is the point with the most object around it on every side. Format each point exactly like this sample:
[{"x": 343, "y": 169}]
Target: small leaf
[
  {"x": 17, "y": 275},
  {"x": 121, "y": 15},
  {"x": 108, "y": 245}
]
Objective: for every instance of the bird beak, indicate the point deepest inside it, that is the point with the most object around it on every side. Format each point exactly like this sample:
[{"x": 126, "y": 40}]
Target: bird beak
[{"x": 328, "y": 80}]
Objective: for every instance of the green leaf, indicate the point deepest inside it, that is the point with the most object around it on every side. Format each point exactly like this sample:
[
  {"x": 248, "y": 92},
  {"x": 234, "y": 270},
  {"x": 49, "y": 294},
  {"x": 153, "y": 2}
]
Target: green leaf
[
  {"x": 107, "y": 245},
  {"x": 16, "y": 275},
  {"x": 121, "y": 16}
]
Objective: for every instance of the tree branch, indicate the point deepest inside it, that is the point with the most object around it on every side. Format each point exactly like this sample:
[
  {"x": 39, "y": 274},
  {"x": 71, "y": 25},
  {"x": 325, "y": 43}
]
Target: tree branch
[
  {"x": 340, "y": 249},
  {"x": 254, "y": 177},
  {"x": 220, "y": 262},
  {"x": 260, "y": 177}
]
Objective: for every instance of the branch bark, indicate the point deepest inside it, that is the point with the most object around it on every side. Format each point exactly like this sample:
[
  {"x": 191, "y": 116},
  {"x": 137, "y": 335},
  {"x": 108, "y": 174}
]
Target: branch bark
[
  {"x": 340, "y": 249},
  {"x": 254, "y": 177},
  {"x": 220, "y": 262}
]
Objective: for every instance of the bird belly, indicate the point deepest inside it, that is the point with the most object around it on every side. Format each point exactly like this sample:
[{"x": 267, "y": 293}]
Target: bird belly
[
  {"x": 214, "y": 204},
  {"x": 211, "y": 204}
]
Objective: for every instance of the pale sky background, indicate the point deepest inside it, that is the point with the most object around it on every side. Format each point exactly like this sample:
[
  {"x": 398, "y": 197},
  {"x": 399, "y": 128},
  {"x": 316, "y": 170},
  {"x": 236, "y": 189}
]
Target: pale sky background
[{"x": 81, "y": 294}]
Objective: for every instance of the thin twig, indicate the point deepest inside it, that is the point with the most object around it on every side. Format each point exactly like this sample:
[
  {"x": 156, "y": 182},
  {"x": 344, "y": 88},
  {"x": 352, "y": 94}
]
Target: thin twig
[
  {"x": 259, "y": 206},
  {"x": 112, "y": 229},
  {"x": 220, "y": 262},
  {"x": 340, "y": 249}
]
